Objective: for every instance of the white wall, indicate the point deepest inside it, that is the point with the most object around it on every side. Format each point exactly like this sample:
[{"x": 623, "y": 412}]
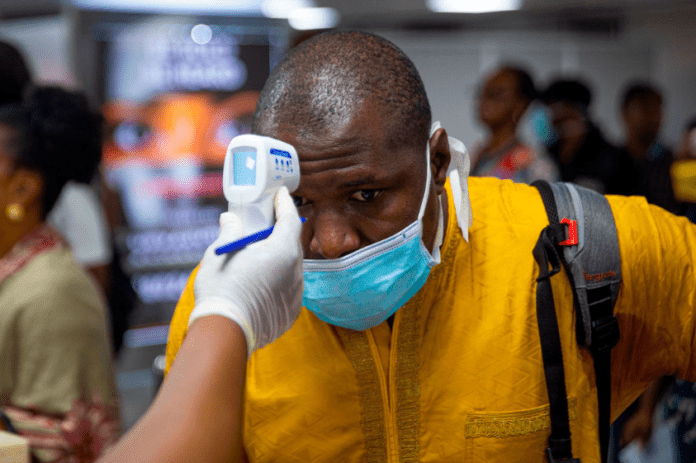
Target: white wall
[
  {"x": 673, "y": 38},
  {"x": 45, "y": 43}
]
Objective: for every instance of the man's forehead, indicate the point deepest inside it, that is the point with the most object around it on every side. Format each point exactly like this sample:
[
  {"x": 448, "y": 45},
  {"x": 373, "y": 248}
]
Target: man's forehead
[
  {"x": 361, "y": 147},
  {"x": 323, "y": 147},
  {"x": 357, "y": 127}
]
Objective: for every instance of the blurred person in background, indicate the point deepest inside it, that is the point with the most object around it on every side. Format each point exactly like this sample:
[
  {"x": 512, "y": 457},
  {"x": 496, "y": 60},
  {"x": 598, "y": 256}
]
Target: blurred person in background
[
  {"x": 15, "y": 75},
  {"x": 648, "y": 173},
  {"x": 56, "y": 379},
  {"x": 78, "y": 214},
  {"x": 584, "y": 156},
  {"x": 505, "y": 97},
  {"x": 687, "y": 145},
  {"x": 684, "y": 155}
]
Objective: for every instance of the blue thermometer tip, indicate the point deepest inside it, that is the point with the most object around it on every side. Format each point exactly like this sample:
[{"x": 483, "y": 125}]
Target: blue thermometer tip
[{"x": 247, "y": 240}]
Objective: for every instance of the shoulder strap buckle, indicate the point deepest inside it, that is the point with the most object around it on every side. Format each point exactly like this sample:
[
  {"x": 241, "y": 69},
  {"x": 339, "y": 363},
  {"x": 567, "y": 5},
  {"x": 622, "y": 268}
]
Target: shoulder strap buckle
[
  {"x": 604, "y": 325},
  {"x": 605, "y": 334},
  {"x": 572, "y": 232}
]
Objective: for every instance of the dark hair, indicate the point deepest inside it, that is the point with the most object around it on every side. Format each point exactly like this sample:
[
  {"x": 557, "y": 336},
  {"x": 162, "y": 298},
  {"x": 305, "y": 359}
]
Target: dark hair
[
  {"x": 325, "y": 77},
  {"x": 525, "y": 83},
  {"x": 568, "y": 91},
  {"x": 639, "y": 91},
  {"x": 14, "y": 74},
  {"x": 57, "y": 135},
  {"x": 690, "y": 125}
]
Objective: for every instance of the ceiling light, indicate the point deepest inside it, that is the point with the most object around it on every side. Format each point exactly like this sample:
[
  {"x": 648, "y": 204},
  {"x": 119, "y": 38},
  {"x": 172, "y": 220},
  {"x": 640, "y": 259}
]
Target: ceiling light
[
  {"x": 283, "y": 8},
  {"x": 472, "y": 6},
  {"x": 201, "y": 34},
  {"x": 313, "y": 18},
  {"x": 244, "y": 7}
]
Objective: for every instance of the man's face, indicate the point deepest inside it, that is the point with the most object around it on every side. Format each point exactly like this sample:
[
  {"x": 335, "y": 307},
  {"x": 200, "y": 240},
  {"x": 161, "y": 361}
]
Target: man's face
[
  {"x": 354, "y": 189},
  {"x": 643, "y": 118}
]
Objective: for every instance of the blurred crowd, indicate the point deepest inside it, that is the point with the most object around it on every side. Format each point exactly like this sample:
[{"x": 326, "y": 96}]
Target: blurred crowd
[
  {"x": 570, "y": 146},
  {"x": 65, "y": 299}
]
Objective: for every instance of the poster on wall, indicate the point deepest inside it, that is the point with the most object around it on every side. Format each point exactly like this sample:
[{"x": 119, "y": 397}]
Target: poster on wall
[{"x": 175, "y": 95}]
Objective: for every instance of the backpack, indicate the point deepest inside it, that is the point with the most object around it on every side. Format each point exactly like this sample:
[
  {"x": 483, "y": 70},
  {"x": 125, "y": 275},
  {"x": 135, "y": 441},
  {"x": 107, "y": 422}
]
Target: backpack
[{"x": 589, "y": 253}]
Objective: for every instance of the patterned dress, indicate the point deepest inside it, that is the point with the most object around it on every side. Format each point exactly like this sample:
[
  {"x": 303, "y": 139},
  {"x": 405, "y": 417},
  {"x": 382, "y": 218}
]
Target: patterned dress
[{"x": 56, "y": 374}]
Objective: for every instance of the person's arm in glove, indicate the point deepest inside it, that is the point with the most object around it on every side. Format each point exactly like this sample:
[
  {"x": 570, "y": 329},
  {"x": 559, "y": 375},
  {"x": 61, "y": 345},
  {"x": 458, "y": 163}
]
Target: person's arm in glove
[{"x": 243, "y": 301}]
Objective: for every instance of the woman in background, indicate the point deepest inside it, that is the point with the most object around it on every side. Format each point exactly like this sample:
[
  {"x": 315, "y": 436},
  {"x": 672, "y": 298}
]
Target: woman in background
[
  {"x": 505, "y": 97},
  {"x": 56, "y": 374}
]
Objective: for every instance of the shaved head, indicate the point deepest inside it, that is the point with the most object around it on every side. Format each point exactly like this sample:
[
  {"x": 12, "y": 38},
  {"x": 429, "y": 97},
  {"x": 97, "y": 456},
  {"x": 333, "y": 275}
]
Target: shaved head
[{"x": 324, "y": 81}]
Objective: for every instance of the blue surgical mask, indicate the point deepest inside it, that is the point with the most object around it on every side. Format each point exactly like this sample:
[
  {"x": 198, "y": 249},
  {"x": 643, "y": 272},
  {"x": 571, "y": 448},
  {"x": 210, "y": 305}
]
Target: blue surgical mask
[
  {"x": 363, "y": 289},
  {"x": 540, "y": 121}
]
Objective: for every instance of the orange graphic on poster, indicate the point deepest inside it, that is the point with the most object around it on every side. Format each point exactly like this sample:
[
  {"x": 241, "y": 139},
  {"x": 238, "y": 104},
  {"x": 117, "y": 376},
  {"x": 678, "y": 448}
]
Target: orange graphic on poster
[{"x": 174, "y": 127}]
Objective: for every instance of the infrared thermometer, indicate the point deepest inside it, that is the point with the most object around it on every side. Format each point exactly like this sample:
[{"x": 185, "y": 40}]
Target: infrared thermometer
[{"x": 255, "y": 168}]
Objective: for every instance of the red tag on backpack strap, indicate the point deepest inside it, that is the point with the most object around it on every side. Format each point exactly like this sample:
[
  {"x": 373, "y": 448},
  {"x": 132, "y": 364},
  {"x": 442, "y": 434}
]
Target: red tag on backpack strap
[{"x": 572, "y": 232}]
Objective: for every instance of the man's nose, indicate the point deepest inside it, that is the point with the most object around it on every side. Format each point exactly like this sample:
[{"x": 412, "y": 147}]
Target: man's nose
[{"x": 332, "y": 236}]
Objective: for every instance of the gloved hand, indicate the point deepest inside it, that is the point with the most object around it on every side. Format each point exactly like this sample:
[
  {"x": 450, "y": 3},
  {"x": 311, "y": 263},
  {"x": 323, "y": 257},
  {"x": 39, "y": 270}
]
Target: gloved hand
[{"x": 259, "y": 287}]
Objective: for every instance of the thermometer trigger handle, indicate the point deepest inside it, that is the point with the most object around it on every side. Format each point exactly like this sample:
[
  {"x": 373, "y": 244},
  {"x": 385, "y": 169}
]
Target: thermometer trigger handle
[{"x": 247, "y": 240}]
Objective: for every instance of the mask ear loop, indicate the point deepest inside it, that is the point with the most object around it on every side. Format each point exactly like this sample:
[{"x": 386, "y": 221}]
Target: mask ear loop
[
  {"x": 458, "y": 176},
  {"x": 426, "y": 193},
  {"x": 440, "y": 234}
]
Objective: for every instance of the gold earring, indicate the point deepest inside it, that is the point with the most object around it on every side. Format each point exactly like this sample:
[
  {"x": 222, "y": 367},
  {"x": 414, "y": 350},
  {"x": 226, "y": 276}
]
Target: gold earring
[{"x": 15, "y": 212}]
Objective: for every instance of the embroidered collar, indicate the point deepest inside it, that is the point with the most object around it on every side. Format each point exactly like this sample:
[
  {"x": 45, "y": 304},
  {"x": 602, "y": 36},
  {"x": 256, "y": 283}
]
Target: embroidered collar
[{"x": 42, "y": 239}]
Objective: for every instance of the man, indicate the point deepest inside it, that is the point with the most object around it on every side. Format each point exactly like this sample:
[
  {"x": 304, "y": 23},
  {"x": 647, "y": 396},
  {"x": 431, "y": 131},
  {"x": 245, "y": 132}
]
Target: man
[
  {"x": 423, "y": 361},
  {"x": 648, "y": 173},
  {"x": 686, "y": 151},
  {"x": 504, "y": 98},
  {"x": 584, "y": 156}
]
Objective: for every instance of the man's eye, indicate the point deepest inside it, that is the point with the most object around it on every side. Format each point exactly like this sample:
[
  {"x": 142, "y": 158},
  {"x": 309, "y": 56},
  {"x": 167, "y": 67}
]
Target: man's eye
[
  {"x": 365, "y": 195},
  {"x": 299, "y": 201}
]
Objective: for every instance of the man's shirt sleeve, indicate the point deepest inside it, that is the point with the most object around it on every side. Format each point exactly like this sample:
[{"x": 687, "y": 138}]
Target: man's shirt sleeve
[
  {"x": 179, "y": 323},
  {"x": 655, "y": 308}
]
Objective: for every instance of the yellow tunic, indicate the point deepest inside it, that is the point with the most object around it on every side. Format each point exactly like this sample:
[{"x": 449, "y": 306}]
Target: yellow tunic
[{"x": 460, "y": 378}]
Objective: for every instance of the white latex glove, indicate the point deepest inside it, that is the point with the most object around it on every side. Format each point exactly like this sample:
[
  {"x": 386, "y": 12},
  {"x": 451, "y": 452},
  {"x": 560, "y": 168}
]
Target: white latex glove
[{"x": 259, "y": 287}]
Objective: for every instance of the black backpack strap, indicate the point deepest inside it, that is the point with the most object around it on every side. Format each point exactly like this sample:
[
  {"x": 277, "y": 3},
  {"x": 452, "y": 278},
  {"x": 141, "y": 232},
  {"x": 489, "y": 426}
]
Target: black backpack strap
[
  {"x": 591, "y": 258},
  {"x": 545, "y": 254}
]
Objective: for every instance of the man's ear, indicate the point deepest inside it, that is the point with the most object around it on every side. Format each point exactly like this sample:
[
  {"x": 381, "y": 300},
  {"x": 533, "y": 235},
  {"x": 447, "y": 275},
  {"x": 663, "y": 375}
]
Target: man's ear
[
  {"x": 25, "y": 188},
  {"x": 440, "y": 159}
]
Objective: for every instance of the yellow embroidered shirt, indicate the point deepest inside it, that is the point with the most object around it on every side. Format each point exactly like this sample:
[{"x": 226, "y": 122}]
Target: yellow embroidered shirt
[{"x": 460, "y": 377}]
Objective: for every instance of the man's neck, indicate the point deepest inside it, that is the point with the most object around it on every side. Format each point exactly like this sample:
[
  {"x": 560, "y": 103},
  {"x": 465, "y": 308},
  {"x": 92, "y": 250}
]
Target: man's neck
[
  {"x": 571, "y": 143},
  {"x": 638, "y": 148}
]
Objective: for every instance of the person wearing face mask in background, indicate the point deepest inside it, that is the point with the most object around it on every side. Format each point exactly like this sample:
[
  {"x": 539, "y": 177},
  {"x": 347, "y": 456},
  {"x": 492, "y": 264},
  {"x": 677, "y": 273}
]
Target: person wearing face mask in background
[
  {"x": 583, "y": 155},
  {"x": 505, "y": 97},
  {"x": 687, "y": 145},
  {"x": 682, "y": 170}
]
